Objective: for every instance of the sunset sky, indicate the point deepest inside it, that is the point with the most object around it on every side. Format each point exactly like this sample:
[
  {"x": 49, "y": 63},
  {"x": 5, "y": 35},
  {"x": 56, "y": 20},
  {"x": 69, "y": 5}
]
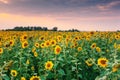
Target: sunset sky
[{"x": 103, "y": 15}]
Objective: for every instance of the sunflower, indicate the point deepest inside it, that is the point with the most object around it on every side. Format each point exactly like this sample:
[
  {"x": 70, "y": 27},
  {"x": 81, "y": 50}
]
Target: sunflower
[
  {"x": 79, "y": 48},
  {"x": 47, "y": 43},
  {"x": 89, "y": 62},
  {"x": 116, "y": 67},
  {"x": 24, "y": 44},
  {"x": 11, "y": 42},
  {"x": 93, "y": 46},
  {"x": 37, "y": 45},
  {"x": 35, "y": 54},
  {"x": 34, "y": 49},
  {"x": 53, "y": 42},
  {"x": 42, "y": 45},
  {"x": 41, "y": 38},
  {"x": 102, "y": 62},
  {"x": 24, "y": 37},
  {"x": 57, "y": 49},
  {"x": 35, "y": 78},
  {"x": 23, "y": 78},
  {"x": 13, "y": 73},
  {"x": 98, "y": 49},
  {"x": 117, "y": 37},
  {"x": 59, "y": 38},
  {"x": 33, "y": 68},
  {"x": 48, "y": 65},
  {"x": 28, "y": 61},
  {"x": 1, "y": 50},
  {"x": 115, "y": 45},
  {"x": 0, "y": 44}
]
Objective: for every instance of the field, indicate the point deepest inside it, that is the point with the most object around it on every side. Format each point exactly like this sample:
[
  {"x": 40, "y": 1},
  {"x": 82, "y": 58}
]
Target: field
[{"x": 52, "y": 55}]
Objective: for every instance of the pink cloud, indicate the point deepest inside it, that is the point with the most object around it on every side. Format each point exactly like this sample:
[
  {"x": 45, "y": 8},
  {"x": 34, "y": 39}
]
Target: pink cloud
[
  {"x": 108, "y": 6},
  {"x": 4, "y": 1}
]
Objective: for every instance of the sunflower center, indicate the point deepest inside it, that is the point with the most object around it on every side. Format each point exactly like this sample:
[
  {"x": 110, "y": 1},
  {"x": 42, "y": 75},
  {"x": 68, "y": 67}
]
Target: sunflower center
[
  {"x": 25, "y": 37},
  {"x": 47, "y": 43},
  {"x": 103, "y": 61},
  {"x": 25, "y": 44},
  {"x": 10, "y": 42},
  {"x": 48, "y": 65},
  {"x": 52, "y": 42},
  {"x": 58, "y": 50},
  {"x": 13, "y": 73},
  {"x": 35, "y": 78}
]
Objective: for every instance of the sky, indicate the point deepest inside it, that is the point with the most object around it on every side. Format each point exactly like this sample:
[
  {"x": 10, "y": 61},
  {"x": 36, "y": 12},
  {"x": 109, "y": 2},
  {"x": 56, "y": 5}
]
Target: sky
[{"x": 84, "y": 15}]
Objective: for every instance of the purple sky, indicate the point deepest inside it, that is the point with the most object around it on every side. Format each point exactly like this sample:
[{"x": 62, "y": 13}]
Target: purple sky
[{"x": 65, "y": 14}]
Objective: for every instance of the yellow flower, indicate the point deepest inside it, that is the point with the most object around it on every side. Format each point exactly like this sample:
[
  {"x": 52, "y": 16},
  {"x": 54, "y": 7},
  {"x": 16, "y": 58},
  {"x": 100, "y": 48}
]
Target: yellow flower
[
  {"x": 41, "y": 38},
  {"x": 13, "y": 73},
  {"x": 37, "y": 45},
  {"x": 53, "y": 42},
  {"x": 47, "y": 43},
  {"x": 79, "y": 48},
  {"x": 48, "y": 65},
  {"x": 98, "y": 49},
  {"x": 57, "y": 49},
  {"x": 89, "y": 62},
  {"x": 102, "y": 62},
  {"x": 42, "y": 45},
  {"x": 33, "y": 50},
  {"x": 11, "y": 42},
  {"x": 23, "y": 78},
  {"x": 59, "y": 38},
  {"x": 116, "y": 67},
  {"x": 24, "y": 37},
  {"x": 35, "y": 78},
  {"x": 1, "y": 50},
  {"x": 27, "y": 62},
  {"x": 24, "y": 44},
  {"x": 93, "y": 46},
  {"x": 115, "y": 45},
  {"x": 32, "y": 68},
  {"x": 35, "y": 54}
]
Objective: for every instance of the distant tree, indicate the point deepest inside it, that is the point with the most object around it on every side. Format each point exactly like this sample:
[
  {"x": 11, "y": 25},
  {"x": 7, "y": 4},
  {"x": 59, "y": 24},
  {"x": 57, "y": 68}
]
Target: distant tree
[
  {"x": 54, "y": 29},
  {"x": 45, "y": 28}
]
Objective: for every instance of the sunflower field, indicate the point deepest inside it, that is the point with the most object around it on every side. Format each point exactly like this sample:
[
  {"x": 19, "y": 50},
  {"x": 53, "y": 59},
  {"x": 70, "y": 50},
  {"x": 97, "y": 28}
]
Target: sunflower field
[{"x": 53, "y": 55}]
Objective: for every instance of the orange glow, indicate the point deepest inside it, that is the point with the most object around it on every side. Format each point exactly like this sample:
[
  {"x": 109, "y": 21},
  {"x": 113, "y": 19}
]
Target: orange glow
[{"x": 4, "y": 1}]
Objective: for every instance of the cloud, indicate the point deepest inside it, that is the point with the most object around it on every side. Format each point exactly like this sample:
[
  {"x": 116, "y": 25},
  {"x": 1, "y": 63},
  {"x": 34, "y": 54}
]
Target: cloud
[
  {"x": 108, "y": 5},
  {"x": 4, "y": 1}
]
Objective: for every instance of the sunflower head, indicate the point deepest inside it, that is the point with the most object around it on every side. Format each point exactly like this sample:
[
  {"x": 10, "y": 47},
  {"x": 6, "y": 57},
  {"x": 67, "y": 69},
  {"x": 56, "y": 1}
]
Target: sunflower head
[
  {"x": 48, "y": 65},
  {"x": 53, "y": 42},
  {"x": 89, "y": 62},
  {"x": 35, "y": 78},
  {"x": 57, "y": 49},
  {"x": 42, "y": 45},
  {"x": 79, "y": 48},
  {"x": 11, "y": 42},
  {"x": 13, "y": 73},
  {"x": 1, "y": 50},
  {"x": 98, "y": 49},
  {"x": 23, "y": 78},
  {"x": 37, "y": 45},
  {"x": 115, "y": 67},
  {"x": 35, "y": 54},
  {"x": 93, "y": 46},
  {"x": 24, "y": 44},
  {"x": 102, "y": 62},
  {"x": 24, "y": 37}
]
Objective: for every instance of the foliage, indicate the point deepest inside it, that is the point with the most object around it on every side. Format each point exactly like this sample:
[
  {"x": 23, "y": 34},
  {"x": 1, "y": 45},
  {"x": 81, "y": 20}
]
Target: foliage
[{"x": 49, "y": 55}]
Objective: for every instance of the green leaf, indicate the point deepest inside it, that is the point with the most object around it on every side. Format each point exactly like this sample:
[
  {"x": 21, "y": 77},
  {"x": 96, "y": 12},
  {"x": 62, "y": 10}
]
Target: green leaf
[
  {"x": 61, "y": 72},
  {"x": 5, "y": 77},
  {"x": 79, "y": 75}
]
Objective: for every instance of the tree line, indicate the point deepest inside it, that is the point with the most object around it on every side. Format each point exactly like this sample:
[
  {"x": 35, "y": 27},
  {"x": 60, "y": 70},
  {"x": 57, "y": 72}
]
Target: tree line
[{"x": 37, "y": 28}]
